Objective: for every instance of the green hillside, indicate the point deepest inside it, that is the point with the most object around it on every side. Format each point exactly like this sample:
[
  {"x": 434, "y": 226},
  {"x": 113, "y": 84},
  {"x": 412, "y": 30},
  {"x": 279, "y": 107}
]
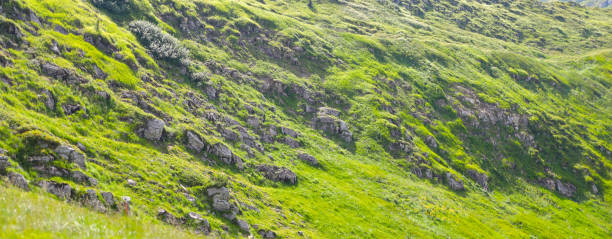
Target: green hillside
[{"x": 305, "y": 119}]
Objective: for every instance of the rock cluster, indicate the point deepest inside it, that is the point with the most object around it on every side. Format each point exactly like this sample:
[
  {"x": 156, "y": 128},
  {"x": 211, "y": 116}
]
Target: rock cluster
[
  {"x": 220, "y": 200},
  {"x": 62, "y": 74}
]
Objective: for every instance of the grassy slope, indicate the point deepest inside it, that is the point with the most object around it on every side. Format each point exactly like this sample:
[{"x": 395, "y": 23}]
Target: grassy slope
[{"x": 361, "y": 191}]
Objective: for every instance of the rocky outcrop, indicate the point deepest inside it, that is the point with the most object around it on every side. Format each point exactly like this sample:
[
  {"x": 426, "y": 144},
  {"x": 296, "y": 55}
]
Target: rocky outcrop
[
  {"x": 278, "y": 174},
  {"x": 18, "y": 180},
  {"x": 49, "y": 99},
  {"x": 90, "y": 199},
  {"x": 309, "y": 159},
  {"x": 4, "y": 164},
  {"x": 220, "y": 201},
  {"x": 328, "y": 121}
]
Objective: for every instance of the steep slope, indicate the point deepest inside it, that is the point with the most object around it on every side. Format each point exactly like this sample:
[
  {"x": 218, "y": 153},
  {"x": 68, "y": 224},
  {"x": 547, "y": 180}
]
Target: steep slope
[{"x": 350, "y": 119}]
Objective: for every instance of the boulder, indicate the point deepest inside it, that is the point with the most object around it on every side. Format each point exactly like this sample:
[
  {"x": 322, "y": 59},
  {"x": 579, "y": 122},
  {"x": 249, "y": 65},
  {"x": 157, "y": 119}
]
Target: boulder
[
  {"x": 69, "y": 154},
  {"x": 225, "y": 155},
  {"x": 100, "y": 42},
  {"x": 61, "y": 190},
  {"x": 309, "y": 159},
  {"x": 290, "y": 132},
  {"x": 454, "y": 183},
  {"x": 18, "y": 180},
  {"x": 99, "y": 73},
  {"x": 154, "y": 129},
  {"x": 194, "y": 142},
  {"x": 279, "y": 174}
]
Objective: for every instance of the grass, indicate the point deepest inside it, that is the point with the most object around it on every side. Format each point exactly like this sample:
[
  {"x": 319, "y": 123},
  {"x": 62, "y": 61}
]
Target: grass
[
  {"x": 385, "y": 68},
  {"x": 36, "y": 215}
]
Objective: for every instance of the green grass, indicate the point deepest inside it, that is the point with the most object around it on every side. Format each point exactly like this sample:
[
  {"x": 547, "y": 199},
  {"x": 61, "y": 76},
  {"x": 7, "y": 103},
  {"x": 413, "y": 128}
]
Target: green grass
[
  {"x": 385, "y": 68},
  {"x": 36, "y": 215}
]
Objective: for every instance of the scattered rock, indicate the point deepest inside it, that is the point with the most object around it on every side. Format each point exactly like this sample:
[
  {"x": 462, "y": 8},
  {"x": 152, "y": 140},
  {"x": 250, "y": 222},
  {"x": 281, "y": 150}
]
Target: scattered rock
[
  {"x": 279, "y": 174},
  {"x": 453, "y": 183},
  {"x": 154, "y": 129},
  {"x": 18, "y": 180},
  {"x": 225, "y": 155},
  {"x": 309, "y": 159}
]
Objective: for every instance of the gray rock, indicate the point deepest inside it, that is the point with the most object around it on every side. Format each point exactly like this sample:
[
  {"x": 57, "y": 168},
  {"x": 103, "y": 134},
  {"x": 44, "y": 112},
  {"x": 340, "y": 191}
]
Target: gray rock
[
  {"x": 291, "y": 142},
  {"x": 50, "y": 171},
  {"x": 267, "y": 234},
  {"x": 309, "y": 159},
  {"x": 70, "y": 109},
  {"x": 279, "y": 174},
  {"x": 565, "y": 189},
  {"x": 327, "y": 121},
  {"x": 167, "y": 217},
  {"x": 4, "y": 164},
  {"x": 98, "y": 73},
  {"x": 59, "y": 73},
  {"x": 594, "y": 189},
  {"x": 61, "y": 190},
  {"x": 18, "y": 180},
  {"x": 194, "y": 142},
  {"x": 154, "y": 129},
  {"x": 49, "y": 99},
  {"x": 90, "y": 199},
  {"x": 253, "y": 121},
  {"x": 480, "y": 178},
  {"x": 453, "y": 183},
  {"x": 243, "y": 225},
  {"x": 39, "y": 160},
  {"x": 109, "y": 198},
  {"x": 225, "y": 155},
  {"x": 54, "y": 47},
  {"x": 78, "y": 158},
  {"x": 290, "y": 132},
  {"x": 82, "y": 178},
  {"x": 329, "y": 111}
]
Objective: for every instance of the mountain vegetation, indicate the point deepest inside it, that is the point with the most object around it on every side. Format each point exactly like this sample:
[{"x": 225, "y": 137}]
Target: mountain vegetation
[{"x": 305, "y": 119}]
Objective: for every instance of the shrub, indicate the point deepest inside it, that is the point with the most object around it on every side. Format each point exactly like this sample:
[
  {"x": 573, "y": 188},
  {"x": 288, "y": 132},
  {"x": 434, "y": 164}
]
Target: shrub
[
  {"x": 114, "y": 6},
  {"x": 161, "y": 44}
]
